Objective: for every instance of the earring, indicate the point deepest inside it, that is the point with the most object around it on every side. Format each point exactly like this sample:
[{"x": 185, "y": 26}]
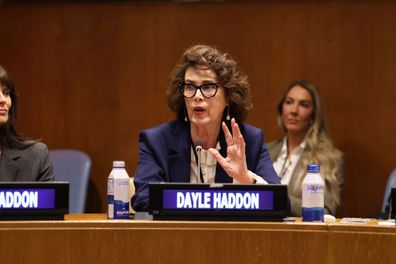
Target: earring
[
  {"x": 185, "y": 115},
  {"x": 228, "y": 114}
]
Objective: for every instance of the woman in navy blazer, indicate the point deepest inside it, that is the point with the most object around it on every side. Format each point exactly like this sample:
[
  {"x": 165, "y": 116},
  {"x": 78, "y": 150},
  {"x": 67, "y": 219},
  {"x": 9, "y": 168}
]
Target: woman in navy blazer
[{"x": 211, "y": 98}]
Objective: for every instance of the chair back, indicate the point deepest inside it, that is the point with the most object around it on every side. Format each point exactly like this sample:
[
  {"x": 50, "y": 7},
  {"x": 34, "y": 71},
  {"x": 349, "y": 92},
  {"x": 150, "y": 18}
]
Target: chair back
[
  {"x": 73, "y": 166},
  {"x": 389, "y": 185}
]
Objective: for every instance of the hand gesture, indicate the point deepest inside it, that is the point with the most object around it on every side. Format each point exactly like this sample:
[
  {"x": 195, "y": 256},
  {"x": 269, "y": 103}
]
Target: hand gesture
[{"x": 235, "y": 162}]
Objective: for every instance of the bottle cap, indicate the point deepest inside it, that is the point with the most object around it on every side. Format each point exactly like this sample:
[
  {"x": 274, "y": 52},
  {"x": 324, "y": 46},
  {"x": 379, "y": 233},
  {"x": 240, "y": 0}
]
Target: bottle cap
[
  {"x": 119, "y": 164},
  {"x": 313, "y": 168}
]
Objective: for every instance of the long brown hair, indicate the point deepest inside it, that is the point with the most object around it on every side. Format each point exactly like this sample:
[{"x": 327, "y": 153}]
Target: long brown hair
[
  {"x": 9, "y": 138},
  {"x": 320, "y": 148}
]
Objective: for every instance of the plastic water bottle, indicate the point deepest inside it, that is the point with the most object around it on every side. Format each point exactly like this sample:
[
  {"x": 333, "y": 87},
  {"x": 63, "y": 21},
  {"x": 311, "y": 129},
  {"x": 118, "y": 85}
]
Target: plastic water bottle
[
  {"x": 120, "y": 190},
  {"x": 110, "y": 194},
  {"x": 313, "y": 195}
]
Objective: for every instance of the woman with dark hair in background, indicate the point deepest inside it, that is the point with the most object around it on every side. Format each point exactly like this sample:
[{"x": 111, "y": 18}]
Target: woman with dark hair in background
[
  {"x": 211, "y": 98},
  {"x": 300, "y": 115},
  {"x": 20, "y": 159}
]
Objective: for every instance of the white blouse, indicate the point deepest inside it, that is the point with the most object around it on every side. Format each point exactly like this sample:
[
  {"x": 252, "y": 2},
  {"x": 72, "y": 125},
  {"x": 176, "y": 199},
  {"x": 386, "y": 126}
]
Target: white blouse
[
  {"x": 284, "y": 165},
  {"x": 208, "y": 168}
]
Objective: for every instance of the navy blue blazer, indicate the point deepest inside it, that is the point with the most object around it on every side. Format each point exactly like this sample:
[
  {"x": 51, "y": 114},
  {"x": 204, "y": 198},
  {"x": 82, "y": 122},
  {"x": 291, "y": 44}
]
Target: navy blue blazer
[{"x": 165, "y": 156}]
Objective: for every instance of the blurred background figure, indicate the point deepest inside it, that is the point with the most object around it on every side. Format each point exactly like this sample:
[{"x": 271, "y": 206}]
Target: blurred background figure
[
  {"x": 306, "y": 141},
  {"x": 391, "y": 183}
]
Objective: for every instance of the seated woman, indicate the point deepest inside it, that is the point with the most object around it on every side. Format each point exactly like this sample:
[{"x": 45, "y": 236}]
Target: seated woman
[
  {"x": 210, "y": 97},
  {"x": 20, "y": 159},
  {"x": 300, "y": 114}
]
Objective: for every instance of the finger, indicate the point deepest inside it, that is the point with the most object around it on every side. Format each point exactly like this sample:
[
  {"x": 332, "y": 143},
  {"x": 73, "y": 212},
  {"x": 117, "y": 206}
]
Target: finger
[
  {"x": 227, "y": 134},
  {"x": 216, "y": 154},
  {"x": 236, "y": 132},
  {"x": 242, "y": 145}
]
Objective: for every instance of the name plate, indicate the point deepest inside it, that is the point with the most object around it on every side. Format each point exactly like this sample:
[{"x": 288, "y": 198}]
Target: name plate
[
  {"x": 218, "y": 201},
  {"x": 27, "y": 198},
  {"x": 33, "y": 200}
]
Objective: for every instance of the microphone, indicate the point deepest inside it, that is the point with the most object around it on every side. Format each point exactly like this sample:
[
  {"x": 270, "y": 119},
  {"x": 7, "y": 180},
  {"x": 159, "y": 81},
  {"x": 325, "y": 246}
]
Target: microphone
[{"x": 198, "y": 148}]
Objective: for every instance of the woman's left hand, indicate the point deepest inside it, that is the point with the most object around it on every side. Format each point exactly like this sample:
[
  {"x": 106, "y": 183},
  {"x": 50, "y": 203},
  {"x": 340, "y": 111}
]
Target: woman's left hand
[{"x": 235, "y": 162}]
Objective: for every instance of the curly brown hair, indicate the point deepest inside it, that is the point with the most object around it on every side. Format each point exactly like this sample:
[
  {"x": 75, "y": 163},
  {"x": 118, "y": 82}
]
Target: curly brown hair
[{"x": 235, "y": 84}]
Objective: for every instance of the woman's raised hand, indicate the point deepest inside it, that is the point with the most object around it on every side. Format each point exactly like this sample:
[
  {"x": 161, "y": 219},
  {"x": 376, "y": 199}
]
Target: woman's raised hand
[{"x": 235, "y": 162}]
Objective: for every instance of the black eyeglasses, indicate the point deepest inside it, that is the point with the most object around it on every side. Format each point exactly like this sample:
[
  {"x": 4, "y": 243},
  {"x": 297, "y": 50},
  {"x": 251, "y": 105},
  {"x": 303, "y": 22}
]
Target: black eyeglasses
[{"x": 207, "y": 89}]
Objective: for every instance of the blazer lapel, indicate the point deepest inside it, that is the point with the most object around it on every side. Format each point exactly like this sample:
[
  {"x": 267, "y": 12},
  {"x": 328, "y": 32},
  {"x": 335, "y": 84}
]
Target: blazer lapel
[
  {"x": 9, "y": 164},
  {"x": 179, "y": 155},
  {"x": 275, "y": 148}
]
